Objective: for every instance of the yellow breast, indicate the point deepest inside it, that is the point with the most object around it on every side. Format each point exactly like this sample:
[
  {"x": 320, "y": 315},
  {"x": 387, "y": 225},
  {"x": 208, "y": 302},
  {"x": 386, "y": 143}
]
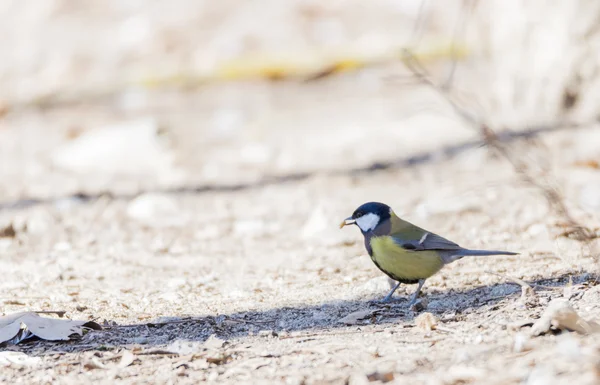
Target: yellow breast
[{"x": 403, "y": 264}]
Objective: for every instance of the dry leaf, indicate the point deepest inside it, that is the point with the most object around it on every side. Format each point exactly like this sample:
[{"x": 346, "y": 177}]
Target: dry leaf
[
  {"x": 382, "y": 377},
  {"x": 18, "y": 327},
  {"x": 426, "y": 322},
  {"x": 94, "y": 363},
  {"x": 219, "y": 358},
  {"x": 357, "y": 316},
  {"x": 213, "y": 342},
  {"x": 560, "y": 315},
  {"x": 8, "y": 231}
]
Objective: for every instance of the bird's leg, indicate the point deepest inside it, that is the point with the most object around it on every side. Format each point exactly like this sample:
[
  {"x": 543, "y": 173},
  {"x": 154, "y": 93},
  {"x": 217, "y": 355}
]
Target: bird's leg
[
  {"x": 390, "y": 294},
  {"x": 414, "y": 297}
]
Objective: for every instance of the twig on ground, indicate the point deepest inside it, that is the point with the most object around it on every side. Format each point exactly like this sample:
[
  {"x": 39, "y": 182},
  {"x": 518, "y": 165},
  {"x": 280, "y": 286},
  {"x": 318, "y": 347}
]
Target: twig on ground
[
  {"x": 515, "y": 280},
  {"x": 526, "y": 289},
  {"x": 522, "y": 283}
]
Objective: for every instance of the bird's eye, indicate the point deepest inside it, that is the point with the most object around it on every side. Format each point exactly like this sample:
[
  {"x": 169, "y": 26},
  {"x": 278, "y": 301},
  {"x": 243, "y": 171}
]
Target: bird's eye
[{"x": 358, "y": 214}]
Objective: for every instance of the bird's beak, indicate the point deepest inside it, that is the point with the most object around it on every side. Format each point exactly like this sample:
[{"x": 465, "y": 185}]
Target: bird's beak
[{"x": 347, "y": 221}]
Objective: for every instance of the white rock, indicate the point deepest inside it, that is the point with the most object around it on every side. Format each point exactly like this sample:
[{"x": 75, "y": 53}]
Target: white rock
[
  {"x": 522, "y": 343},
  {"x": 214, "y": 342},
  {"x": 170, "y": 296},
  {"x": 255, "y": 154},
  {"x": 316, "y": 223},
  {"x": 39, "y": 222},
  {"x": 254, "y": 228},
  {"x": 536, "y": 229},
  {"x": 156, "y": 210},
  {"x": 62, "y": 246},
  {"x": 176, "y": 283},
  {"x": 589, "y": 197},
  {"x": 248, "y": 227},
  {"x": 126, "y": 149}
]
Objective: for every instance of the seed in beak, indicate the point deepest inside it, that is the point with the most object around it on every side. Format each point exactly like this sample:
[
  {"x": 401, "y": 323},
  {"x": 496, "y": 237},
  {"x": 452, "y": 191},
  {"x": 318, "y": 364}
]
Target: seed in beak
[{"x": 347, "y": 221}]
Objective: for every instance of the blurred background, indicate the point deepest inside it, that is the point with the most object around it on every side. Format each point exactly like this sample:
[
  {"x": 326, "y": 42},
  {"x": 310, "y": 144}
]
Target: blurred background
[
  {"x": 127, "y": 96},
  {"x": 194, "y": 158}
]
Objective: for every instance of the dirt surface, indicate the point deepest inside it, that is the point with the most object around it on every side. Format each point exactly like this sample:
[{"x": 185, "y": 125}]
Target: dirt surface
[{"x": 199, "y": 227}]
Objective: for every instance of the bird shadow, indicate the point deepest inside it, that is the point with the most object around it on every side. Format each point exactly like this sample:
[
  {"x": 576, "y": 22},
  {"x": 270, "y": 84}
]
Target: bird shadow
[{"x": 298, "y": 321}]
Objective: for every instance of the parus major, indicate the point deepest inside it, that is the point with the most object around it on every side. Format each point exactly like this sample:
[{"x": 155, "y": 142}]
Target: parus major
[{"x": 406, "y": 253}]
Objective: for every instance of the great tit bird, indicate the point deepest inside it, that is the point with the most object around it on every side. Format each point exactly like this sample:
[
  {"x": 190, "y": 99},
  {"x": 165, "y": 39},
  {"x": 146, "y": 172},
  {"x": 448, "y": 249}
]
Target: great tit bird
[{"x": 404, "y": 252}]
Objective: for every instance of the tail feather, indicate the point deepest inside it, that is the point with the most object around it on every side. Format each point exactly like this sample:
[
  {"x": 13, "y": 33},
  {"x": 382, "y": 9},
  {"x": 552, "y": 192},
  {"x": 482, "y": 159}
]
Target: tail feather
[
  {"x": 475, "y": 253},
  {"x": 456, "y": 255}
]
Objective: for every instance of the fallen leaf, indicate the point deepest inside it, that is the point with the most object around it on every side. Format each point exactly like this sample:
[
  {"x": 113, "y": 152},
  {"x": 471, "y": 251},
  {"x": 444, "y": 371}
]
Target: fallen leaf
[
  {"x": 354, "y": 318},
  {"x": 15, "y": 328},
  {"x": 94, "y": 363},
  {"x": 560, "y": 315},
  {"x": 378, "y": 376},
  {"x": 213, "y": 342},
  {"x": 8, "y": 231},
  {"x": 219, "y": 359},
  {"x": 426, "y": 322}
]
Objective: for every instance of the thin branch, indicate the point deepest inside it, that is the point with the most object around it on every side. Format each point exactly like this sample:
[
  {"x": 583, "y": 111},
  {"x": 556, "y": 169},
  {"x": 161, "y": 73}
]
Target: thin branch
[
  {"x": 459, "y": 31},
  {"x": 551, "y": 193}
]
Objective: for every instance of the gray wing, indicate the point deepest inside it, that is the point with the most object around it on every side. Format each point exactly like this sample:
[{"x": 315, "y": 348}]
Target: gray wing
[
  {"x": 429, "y": 241},
  {"x": 448, "y": 250}
]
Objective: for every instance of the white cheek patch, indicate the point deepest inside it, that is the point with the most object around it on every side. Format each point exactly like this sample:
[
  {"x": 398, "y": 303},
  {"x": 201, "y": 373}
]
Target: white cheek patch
[{"x": 368, "y": 221}]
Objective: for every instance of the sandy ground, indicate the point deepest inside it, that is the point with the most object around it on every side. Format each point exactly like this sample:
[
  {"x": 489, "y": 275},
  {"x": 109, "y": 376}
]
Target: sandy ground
[{"x": 207, "y": 244}]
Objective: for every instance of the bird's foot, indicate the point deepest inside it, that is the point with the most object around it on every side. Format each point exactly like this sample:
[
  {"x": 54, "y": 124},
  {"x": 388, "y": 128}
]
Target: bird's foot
[
  {"x": 386, "y": 301},
  {"x": 378, "y": 302}
]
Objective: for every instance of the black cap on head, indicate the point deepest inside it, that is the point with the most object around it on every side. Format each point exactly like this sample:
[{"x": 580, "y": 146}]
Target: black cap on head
[{"x": 381, "y": 209}]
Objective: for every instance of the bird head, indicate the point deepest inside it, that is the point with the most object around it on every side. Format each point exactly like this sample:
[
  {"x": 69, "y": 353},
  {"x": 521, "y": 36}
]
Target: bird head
[{"x": 368, "y": 216}]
